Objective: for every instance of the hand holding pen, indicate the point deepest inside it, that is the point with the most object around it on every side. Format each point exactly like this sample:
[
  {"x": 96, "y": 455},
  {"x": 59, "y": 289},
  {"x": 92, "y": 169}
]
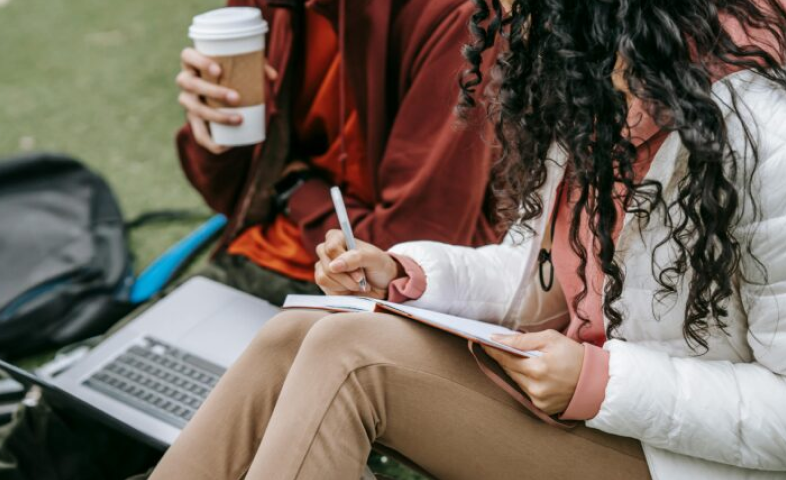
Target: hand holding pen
[
  {"x": 346, "y": 229},
  {"x": 353, "y": 267}
]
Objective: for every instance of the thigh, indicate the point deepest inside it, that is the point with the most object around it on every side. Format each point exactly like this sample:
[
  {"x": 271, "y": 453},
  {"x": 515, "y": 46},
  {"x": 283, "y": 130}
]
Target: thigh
[
  {"x": 437, "y": 409},
  {"x": 221, "y": 439}
]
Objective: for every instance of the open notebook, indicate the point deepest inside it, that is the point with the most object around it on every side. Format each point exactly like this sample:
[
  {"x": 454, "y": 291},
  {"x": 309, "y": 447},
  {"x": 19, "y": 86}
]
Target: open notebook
[{"x": 479, "y": 332}]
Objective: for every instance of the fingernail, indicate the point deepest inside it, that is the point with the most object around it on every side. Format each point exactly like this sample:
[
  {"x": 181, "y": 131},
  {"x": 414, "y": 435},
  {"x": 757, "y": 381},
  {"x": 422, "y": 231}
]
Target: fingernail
[
  {"x": 237, "y": 119},
  {"x": 215, "y": 70},
  {"x": 337, "y": 266},
  {"x": 233, "y": 97}
]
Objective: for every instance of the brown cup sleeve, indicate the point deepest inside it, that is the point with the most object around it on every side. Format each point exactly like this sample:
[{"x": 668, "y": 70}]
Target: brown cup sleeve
[{"x": 243, "y": 73}]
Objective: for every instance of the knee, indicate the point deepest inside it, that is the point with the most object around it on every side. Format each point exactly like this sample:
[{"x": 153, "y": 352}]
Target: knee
[
  {"x": 283, "y": 333},
  {"x": 349, "y": 336}
]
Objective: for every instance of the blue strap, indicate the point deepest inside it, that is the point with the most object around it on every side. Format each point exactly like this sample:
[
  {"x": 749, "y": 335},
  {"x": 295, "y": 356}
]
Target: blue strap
[{"x": 161, "y": 270}]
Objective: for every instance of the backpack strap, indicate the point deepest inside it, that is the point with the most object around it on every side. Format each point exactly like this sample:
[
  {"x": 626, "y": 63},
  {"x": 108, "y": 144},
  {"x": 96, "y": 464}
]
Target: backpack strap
[
  {"x": 184, "y": 215},
  {"x": 158, "y": 274}
]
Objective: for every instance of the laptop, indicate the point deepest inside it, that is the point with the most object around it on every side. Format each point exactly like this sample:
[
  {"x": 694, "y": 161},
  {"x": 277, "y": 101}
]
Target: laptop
[{"x": 150, "y": 377}]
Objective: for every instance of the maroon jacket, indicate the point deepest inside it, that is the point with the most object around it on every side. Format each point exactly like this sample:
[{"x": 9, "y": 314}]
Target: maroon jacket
[{"x": 430, "y": 177}]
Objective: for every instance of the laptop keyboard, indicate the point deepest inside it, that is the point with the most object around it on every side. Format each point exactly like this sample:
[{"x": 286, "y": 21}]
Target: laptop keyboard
[{"x": 158, "y": 379}]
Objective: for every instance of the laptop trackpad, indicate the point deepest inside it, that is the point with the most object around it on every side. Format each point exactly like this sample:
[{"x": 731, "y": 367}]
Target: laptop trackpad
[{"x": 223, "y": 336}]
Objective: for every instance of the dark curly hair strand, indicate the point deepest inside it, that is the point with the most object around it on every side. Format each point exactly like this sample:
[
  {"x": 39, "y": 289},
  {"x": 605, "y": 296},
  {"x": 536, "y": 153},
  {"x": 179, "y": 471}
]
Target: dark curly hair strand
[{"x": 552, "y": 82}]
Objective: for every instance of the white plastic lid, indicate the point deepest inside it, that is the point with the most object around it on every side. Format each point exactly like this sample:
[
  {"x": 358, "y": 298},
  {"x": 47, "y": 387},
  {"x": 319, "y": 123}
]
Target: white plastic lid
[{"x": 228, "y": 23}]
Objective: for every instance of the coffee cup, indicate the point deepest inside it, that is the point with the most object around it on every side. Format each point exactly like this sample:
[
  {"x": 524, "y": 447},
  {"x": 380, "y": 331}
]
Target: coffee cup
[{"x": 234, "y": 37}]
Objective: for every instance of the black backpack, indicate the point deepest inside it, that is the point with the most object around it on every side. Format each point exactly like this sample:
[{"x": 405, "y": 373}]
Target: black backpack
[{"x": 66, "y": 272}]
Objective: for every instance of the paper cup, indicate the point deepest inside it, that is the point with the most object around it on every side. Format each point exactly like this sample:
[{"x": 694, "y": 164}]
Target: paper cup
[{"x": 235, "y": 38}]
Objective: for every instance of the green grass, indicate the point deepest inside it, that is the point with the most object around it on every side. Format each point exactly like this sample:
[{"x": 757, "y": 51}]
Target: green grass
[{"x": 95, "y": 79}]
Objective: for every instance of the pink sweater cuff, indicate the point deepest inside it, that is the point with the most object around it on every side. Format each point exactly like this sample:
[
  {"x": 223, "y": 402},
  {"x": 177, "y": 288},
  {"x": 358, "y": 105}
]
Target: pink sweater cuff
[
  {"x": 409, "y": 287},
  {"x": 591, "y": 388}
]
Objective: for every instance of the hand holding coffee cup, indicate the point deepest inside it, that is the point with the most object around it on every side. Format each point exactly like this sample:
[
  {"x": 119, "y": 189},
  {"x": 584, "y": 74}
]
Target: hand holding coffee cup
[
  {"x": 195, "y": 67},
  {"x": 221, "y": 80}
]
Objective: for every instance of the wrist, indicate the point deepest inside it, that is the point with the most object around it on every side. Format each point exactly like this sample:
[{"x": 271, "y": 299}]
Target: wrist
[
  {"x": 409, "y": 282},
  {"x": 397, "y": 268},
  {"x": 590, "y": 389},
  {"x": 394, "y": 269}
]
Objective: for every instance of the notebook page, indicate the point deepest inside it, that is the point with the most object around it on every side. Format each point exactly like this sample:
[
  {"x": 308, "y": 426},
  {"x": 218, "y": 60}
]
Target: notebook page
[
  {"x": 330, "y": 302},
  {"x": 479, "y": 331}
]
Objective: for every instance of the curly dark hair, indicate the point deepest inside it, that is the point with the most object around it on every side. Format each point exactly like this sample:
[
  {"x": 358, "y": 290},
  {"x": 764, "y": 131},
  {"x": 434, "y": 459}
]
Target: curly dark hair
[{"x": 552, "y": 82}]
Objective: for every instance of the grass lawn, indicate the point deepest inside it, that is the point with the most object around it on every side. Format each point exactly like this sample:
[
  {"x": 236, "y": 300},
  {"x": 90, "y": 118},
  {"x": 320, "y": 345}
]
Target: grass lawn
[{"x": 95, "y": 79}]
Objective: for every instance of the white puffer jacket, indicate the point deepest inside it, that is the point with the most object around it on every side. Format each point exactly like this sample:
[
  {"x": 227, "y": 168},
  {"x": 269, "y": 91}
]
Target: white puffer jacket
[{"x": 717, "y": 416}]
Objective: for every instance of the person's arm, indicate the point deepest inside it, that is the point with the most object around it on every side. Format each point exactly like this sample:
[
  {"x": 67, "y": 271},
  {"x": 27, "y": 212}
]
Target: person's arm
[
  {"x": 479, "y": 283},
  {"x": 432, "y": 178},
  {"x": 715, "y": 410},
  {"x": 733, "y": 413},
  {"x": 486, "y": 283},
  {"x": 217, "y": 177},
  {"x": 216, "y": 172}
]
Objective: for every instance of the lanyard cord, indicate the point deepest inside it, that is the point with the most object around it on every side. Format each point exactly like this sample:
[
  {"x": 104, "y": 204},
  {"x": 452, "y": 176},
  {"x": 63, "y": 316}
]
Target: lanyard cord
[
  {"x": 342, "y": 101},
  {"x": 544, "y": 256}
]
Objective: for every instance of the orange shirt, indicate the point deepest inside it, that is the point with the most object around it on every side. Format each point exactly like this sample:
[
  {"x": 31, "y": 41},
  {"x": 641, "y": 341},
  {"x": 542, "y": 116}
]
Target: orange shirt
[{"x": 316, "y": 129}]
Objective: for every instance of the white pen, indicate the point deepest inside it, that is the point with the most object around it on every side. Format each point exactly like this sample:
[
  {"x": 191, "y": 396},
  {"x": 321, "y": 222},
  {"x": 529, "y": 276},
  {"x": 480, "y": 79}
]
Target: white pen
[{"x": 343, "y": 220}]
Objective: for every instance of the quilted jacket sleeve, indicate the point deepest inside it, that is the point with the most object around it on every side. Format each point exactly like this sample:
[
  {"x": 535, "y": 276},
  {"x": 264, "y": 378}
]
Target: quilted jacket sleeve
[
  {"x": 732, "y": 413},
  {"x": 468, "y": 282},
  {"x": 492, "y": 284}
]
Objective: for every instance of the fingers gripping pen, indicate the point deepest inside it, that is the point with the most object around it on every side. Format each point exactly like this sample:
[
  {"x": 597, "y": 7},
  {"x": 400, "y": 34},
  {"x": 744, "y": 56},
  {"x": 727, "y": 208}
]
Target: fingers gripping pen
[{"x": 343, "y": 221}]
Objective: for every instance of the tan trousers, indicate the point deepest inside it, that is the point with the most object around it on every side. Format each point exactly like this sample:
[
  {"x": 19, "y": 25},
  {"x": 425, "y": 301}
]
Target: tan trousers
[{"x": 313, "y": 393}]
